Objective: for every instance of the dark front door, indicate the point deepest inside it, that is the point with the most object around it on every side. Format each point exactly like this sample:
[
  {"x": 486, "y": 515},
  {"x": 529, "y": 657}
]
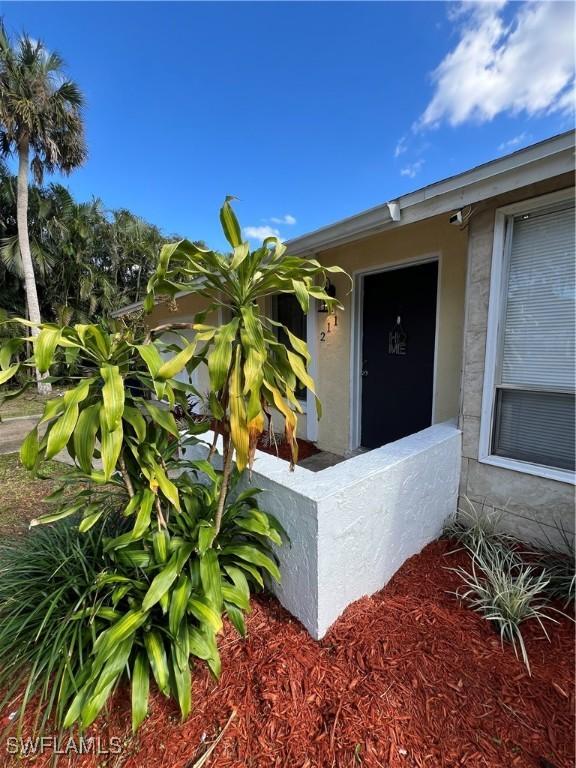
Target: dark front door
[{"x": 398, "y": 335}]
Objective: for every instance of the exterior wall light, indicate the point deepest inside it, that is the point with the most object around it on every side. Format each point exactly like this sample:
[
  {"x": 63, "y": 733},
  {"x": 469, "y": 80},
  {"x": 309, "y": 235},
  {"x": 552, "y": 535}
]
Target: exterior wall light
[{"x": 331, "y": 291}]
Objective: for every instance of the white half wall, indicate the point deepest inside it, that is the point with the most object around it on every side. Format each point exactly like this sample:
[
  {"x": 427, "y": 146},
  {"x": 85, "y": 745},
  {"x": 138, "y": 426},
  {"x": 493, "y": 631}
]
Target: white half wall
[{"x": 353, "y": 525}]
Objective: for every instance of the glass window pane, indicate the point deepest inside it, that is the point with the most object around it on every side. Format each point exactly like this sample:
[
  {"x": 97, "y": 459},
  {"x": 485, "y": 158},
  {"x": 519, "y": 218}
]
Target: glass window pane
[
  {"x": 538, "y": 427},
  {"x": 540, "y": 315}
]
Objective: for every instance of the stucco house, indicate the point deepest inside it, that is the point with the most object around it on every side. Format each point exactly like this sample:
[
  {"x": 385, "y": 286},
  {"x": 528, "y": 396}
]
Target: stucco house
[{"x": 449, "y": 376}]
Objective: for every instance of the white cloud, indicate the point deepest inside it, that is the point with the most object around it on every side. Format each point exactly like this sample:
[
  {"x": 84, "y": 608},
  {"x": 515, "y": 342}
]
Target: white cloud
[
  {"x": 514, "y": 142},
  {"x": 412, "y": 169},
  {"x": 288, "y": 219},
  {"x": 260, "y": 233},
  {"x": 400, "y": 147},
  {"x": 526, "y": 66}
]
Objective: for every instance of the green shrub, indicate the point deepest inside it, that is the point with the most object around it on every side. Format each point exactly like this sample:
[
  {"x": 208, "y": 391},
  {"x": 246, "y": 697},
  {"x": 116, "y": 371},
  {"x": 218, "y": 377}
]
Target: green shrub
[
  {"x": 46, "y": 579},
  {"x": 171, "y": 587},
  {"x": 505, "y": 591},
  {"x": 80, "y": 612}
]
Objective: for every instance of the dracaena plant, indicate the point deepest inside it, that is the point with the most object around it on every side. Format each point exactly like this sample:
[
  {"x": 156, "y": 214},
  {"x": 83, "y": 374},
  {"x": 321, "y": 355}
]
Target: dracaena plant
[
  {"x": 163, "y": 578},
  {"x": 251, "y": 371},
  {"x": 186, "y": 552}
]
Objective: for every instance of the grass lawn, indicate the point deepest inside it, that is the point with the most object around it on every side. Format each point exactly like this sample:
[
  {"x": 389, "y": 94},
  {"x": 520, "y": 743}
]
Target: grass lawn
[
  {"x": 21, "y": 495},
  {"x": 30, "y": 403}
]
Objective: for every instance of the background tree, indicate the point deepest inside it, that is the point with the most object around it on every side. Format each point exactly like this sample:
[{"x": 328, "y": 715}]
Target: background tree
[
  {"x": 88, "y": 261},
  {"x": 40, "y": 115}
]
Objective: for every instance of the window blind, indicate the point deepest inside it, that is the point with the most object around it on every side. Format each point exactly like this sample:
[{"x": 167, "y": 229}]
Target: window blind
[
  {"x": 535, "y": 413},
  {"x": 535, "y": 426},
  {"x": 539, "y": 321}
]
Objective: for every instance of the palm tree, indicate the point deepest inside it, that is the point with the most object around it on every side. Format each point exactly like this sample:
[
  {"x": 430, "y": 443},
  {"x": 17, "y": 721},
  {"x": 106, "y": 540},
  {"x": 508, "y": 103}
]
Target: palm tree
[{"x": 40, "y": 115}]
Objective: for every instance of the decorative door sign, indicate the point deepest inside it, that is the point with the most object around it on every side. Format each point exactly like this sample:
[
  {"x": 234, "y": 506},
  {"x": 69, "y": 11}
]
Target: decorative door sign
[{"x": 397, "y": 339}]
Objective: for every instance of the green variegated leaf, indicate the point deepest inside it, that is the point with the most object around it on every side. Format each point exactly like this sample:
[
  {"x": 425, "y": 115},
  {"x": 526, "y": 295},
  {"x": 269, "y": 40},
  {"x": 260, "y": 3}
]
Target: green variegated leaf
[
  {"x": 52, "y": 408},
  {"x": 109, "y": 676},
  {"x": 168, "y": 488},
  {"x": 60, "y": 515},
  {"x": 178, "y": 603},
  {"x": 140, "y": 688},
  {"x": 29, "y": 449},
  {"x": 240, "y": 253},
  {"x": 7, "y": 350},
  {"x": 160, "y": 542},
  {"x": 151, "y": 356},
  {"x": 300, "y": 346},
  {"x": 157, "y": 658},
  {"x": 89, "y": 520},
  {"x": 213, "y": 660},
  {"x": 183, "y": 682},
  {"x": 110, "y": 446},
  {"x": 300, "y": 370},
  {"x": 144, "y": 514},
  {"x": 172, "y": 367},
  {"x": 236, "y": 617},
  {"x": 112, "y": 396},
  {"x": 197, "y": 644},
  {"x": 44, "y": 347},
  {"x": 79, "y": 393},
  {"x": 211, "y": 578},
  {"x": 220, "y": 357},
  {"x": 235, "y": 596},
  {"x": 136, "y": 421},
  {"x": 230, "y": 224},
  {"x": 162, "y": 417},
  {"x": 118, "y": 632},
  {"x": 85, "y": 436},
  {"x": 255, "y": 556},
  {"x": 239, "y": 578},
  {"x": 7, "y": 374},
  {"x": 301, "y": 293},
  {"x": 61, "y": 430},
  {"x": 167, "y": 576},
  {"x": 205, "y": 614},
  {"x": 206, "y": 534},
  {"x": 238, "y": 422}
]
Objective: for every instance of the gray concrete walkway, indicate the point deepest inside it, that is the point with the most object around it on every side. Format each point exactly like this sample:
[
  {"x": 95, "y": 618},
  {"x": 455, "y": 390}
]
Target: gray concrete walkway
[{"x": 14, "y": 430}]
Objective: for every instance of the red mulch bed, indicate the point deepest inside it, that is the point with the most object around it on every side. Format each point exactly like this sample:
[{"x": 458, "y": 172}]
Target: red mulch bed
[
  {"x": 282, "y": 449},
  {"x": 405, "y": 679}
]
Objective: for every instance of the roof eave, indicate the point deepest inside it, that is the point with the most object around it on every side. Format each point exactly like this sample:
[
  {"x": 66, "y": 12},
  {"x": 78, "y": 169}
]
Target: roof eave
[{"x": 538, "y": 162}]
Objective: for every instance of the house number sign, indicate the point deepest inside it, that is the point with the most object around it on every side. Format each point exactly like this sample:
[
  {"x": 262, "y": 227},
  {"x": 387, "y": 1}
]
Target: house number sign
[{"x": 397, "y": 342}]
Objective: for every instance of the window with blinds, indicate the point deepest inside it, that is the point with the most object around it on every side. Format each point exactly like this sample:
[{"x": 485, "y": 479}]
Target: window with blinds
[{"x": 534, "y": 415}]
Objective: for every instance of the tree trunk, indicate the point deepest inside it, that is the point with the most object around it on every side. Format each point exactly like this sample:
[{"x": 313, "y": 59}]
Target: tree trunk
[
  {"x": 226, "y": 472},
  {"x": 44, "y": 387}
]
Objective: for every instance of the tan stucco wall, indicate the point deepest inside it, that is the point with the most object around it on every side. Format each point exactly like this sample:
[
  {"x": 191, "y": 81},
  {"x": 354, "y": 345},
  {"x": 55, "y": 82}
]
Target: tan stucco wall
[
  {"x": 402, "y": 244},
  {"x": 519, "y": 497}
]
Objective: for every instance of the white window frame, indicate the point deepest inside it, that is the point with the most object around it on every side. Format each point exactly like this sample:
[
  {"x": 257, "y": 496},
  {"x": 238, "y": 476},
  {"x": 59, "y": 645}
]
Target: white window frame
[{"x": 498, "y": 288}]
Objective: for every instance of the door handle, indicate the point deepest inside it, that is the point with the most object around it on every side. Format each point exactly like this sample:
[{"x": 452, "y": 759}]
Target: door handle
[{"x": 364, "y": 373}]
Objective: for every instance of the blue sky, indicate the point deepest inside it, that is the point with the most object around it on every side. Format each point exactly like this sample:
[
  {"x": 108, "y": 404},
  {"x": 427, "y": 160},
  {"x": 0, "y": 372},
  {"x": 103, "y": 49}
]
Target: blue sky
[{"x": 307, "y": 112}]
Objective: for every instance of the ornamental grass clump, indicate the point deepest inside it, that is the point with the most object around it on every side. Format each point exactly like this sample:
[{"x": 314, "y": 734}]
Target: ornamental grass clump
[
  {"x": 179, "y": 546},
  {"x": 557, "y": 558},
  {"x": 505, "y": 591},
  {"x": 50, "y": 603}
]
